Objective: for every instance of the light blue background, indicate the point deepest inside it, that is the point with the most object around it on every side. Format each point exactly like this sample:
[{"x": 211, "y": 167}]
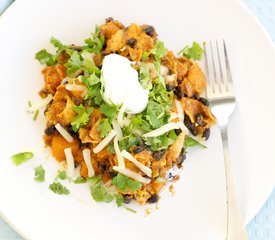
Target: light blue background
[{"x": 262, "y": 227}]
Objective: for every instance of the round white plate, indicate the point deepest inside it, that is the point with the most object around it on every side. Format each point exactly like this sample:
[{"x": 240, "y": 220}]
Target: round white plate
[{"x": 198, "y": 208}]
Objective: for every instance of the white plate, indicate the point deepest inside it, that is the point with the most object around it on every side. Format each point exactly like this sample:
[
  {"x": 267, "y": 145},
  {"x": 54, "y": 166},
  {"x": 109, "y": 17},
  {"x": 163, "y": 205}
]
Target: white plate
[{"x": 197, "y": 211}]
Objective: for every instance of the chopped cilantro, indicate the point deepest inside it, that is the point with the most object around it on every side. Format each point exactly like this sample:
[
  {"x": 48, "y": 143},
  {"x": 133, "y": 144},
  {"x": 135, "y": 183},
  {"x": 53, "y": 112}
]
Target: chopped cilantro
[
  {"x": 119, "y": 200},
  {"x": 74, "y": 63},
  {"x": 104, "y": 127},
  {"x": 110, "y": 111},
  {"x": 194, "y": 52},
  {"x": 99, "y": 192},
  {"x": 44, "y": 57},
  {"x": 96, "y": 42},
  {"x": 56, "y": 43},
  {"x": 39, "y": 174},
  {"x": 131, "y": 210},
  {"x": 191, "y": 142},
  {"x": 161, "y": 142},
  {"x": 111, "y": 149},
  {"x": 82, "y": 117},
  {"x": 80, "y": 180},
  {"x": 20, "y": 158},
  {"x": 144, "y": 77},
  {"x": 159, "y": 51},
  {"x": 123, "y": 182},
  {"x": 61, "y": 175},
  {"x": 58, "y": 188},
  {"x": 35, "y": 115}
]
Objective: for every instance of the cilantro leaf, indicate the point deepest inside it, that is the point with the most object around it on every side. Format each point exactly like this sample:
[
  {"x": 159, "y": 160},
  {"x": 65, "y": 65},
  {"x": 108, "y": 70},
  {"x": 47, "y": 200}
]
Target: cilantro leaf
[
  {"x": 161, "y": 142},
  {"x": 20, "y": 158},
  {"x": 56, "y": 43},
  {"x": 119, "y": 200},
  {"x": 39, "y": 174},
  {"x": 159, "y": 50},
  {"x": 104, "y": 127},
  {"x": 80, "y": 180},
  {"x": 61, "y": 175},
  {"x": 120, "y": 181},
  {"x": 123, "y": 182},
  {"x": 111, "y": 149},
  {"x": 96, "y": 42},
  {"x": 194, "y": 52},
  {"x": 82, "y": 117},
  {"x": 144, "y": 77},
  {"x": 191, "y": 142},
  {"x": 134, "y": 185},
  {"x": 99, "y": 192},
  {"x": 93, "y": 84},
  {"x": 109, "y": 111},
  {"x": 44, "y": 57},
  {"x": 58, "y": 188},
  {"x": 74, "y": 63}
]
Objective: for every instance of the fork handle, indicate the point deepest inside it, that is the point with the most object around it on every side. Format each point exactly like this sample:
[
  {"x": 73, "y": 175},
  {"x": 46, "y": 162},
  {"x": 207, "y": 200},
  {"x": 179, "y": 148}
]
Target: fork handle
[{"x": 235, "y": 226}]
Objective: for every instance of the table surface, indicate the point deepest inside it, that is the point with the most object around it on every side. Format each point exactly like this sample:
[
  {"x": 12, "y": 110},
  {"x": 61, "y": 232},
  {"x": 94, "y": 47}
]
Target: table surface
[{"x": 262, "y": 227}]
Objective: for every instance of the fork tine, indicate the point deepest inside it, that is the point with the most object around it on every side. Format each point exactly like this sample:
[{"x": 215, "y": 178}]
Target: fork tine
[
  {"x": 219, "y": 79},
  {"x": 228, "y": 69}
]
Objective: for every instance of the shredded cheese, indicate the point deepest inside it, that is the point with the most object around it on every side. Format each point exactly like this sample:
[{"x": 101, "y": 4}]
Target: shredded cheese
[
  {"x": 70, "y": 162},
  {"x": 120, "y": 158},
  {"x": 87, "y": 159},
  {"x": 159, "y": 131},
  {"x": 64, "y": 81},
  {"x": 183, "y": 127},
  {"x": 64, "y": 133},
  {"x": 179, "y": 110},
  {"x": 127, "y": 172},
  {"x": 43, "y": 103},
  {"x": 105, "y": 141},
  {"x": 117, "y": 129},
  {"x": 142, "y": 167},
  {"x": 75, "y": 87}
]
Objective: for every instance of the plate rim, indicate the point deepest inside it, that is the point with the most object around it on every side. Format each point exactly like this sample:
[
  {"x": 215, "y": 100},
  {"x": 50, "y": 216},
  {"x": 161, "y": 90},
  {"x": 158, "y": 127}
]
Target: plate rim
[{"x": 260, "y": 26}]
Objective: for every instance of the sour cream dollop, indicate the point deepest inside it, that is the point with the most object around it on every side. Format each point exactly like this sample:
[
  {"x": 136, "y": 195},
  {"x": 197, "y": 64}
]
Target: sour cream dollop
[{"x": 121, "y": 84}]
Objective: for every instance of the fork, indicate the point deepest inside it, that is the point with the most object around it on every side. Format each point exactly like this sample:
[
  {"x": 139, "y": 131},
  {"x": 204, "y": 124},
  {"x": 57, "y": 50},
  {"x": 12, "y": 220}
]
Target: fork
[{"x": 220, "y": 94}]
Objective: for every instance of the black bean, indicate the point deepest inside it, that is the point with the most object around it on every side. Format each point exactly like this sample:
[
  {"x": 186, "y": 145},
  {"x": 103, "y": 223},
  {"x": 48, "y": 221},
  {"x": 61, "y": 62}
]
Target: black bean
[
  {"x": 181, "y": 158},
  {"x": 109, "y": 19},
  {"x": 179, "y": 93},
  {"x": 113, "y": 174},
  {"x": 169, "y": 87},
  {"x": 102, "y": 166},
  {"x": 196, "y": 96},
  {"x": 77, "y": 101},
  {"x": 206, "y": 133},
  {"x": 191, "y": 126},
  {"x": 50, "y": 130},
  {"x": 131, "y": 42},
  {"x": 127, "y": 198},
  {"x": 200, "y": 119},
  {"x": 204, "y": 101},
  {"x": 153, "y": 199},
  {"x": 159, "y": 154},
  {"x": 70, "y": 129},
  {"x": 84, "y": 145},
  {"x": 138, "y": 149},
  {"x": 149, "y": 30},
  {"x": 178, "y": 131}
]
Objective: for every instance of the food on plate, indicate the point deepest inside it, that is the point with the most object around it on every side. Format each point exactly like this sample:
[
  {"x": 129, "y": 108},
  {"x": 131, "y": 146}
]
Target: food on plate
[{"x": 121, "y": 111}]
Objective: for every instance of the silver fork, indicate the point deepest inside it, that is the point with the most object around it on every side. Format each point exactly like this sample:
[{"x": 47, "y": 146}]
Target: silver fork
[{"x": 220, "y": 94}]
